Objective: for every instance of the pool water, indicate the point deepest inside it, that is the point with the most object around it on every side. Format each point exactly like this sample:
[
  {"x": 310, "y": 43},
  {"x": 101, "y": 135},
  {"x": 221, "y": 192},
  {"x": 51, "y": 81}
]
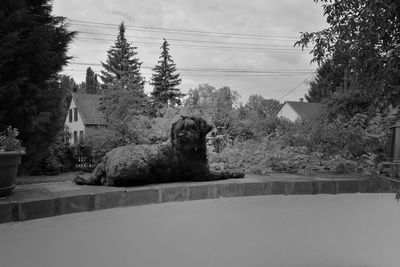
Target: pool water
[{"x": 351, "y": 230}]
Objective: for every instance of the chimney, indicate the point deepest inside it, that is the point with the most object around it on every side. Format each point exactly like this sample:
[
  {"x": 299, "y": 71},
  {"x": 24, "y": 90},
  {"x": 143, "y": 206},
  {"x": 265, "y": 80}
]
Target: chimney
[{"x": 301, "y": 99}]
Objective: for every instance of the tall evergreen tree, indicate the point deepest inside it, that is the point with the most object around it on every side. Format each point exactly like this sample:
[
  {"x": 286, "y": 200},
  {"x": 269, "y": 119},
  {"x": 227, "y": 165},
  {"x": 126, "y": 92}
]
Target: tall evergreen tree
[
  {"x": 91, "y": 81},
  {"x": 164, "y": 81},
  {"x": 33, "y": 50},
  {"x": 123, "y": 99},
  {"x": 122, "y": 61}
]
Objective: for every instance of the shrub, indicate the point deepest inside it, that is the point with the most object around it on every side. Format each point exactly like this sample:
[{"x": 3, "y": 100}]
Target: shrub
[
  {"x": 57, "y": 158},
  {"x": 9, "y": 140}
]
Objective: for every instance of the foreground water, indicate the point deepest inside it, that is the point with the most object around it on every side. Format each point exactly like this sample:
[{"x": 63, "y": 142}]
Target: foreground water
[{"x": 351, "y": 230}]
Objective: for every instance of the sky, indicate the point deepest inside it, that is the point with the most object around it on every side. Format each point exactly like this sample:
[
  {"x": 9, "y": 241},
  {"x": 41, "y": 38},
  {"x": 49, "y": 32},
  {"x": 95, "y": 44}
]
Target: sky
[{"x": 246, "y": 45}]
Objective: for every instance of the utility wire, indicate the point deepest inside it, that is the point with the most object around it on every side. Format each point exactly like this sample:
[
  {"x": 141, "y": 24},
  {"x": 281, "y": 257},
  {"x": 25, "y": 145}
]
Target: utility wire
[
  {"x": 222, "y": 74},
  {"x": 184, "y": 40},
  {"x": 183, "y": 31},
  {"x": 297, "y": 86},
  {"x": 242, "y": 49},
  {"x": 220, "y": 70}
]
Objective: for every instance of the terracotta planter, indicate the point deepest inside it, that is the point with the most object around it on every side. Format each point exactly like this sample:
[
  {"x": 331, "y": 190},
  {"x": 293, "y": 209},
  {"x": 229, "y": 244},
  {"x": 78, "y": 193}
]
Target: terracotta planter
[{"x": 9, "y": 162}]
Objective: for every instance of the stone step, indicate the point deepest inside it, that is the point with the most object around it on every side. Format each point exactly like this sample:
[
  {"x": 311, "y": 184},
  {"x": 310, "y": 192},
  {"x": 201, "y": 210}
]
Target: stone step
[{"x": 35, "y": 201}]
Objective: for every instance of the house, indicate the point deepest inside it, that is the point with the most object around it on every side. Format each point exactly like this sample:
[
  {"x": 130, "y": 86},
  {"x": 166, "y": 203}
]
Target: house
[
  {"x": 83, "y": 115},
  {"x": 301, "y": 110}
]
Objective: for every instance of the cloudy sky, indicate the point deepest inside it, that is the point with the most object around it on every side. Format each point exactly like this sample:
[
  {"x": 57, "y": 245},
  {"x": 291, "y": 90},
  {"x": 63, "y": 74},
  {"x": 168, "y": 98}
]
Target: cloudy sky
[{"x": 246, "y": 45}]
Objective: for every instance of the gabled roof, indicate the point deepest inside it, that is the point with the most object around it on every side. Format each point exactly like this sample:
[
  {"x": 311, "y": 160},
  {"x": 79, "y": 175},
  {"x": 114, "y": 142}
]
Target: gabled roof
[
  {"x": 88, "y": 106},
  {"x": 305, "y": 109}
]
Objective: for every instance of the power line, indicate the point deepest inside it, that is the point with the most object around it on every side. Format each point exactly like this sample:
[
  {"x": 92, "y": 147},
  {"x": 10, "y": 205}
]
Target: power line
[
  {"x": 186, "y": 40},
  {"x": 209, "y": 69},
  {"x": 297, "y": 86},
  {"x": 182, "y": 31},
  {"x": 225, "y": 48},
  {"x": 225, "y": 74}
]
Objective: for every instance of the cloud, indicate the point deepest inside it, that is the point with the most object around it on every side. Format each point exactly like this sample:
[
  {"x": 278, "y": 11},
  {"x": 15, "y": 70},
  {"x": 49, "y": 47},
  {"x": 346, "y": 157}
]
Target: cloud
[{"x": 273, "y": 18}]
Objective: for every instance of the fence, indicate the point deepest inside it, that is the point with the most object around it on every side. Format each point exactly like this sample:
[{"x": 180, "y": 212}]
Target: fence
[{"x": 82, "y": 158}]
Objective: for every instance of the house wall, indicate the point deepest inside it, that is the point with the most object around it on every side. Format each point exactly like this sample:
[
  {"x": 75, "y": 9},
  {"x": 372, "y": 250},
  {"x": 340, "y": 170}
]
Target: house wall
[
  {"x": 288, "y": 112},
  {"x": 74, "y": 126}
]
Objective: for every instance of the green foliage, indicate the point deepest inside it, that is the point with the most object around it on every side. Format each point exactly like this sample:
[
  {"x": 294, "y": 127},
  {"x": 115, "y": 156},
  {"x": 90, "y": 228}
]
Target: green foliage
[
  {"x": 165, "y": 81},
  {"x": 215, "y": 104},
  {"x": 33, "y": 50},
  {"x": 355, "y": 145},
  {"x": 350, "y": 138},
  {"x": 91, "y": 81},
  {"x": 362, "y": 45},
  {"x": 265, "y": 108},
  {"x": 328, "y": 80},
  {"x": 57, "y": 159},
  {"x": 9, "y": 140},
  {"x": 122, "y": 99},
  {"x": 122, "y": 61}
]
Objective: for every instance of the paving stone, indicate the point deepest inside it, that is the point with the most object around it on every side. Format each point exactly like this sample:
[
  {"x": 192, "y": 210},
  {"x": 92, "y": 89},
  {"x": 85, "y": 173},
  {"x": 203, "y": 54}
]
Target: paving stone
[
  {"x": 7, "y": 212},
  {"x": 174, "y": 193},
  {"x": 252, "y": 188},
  {"x": 299, "y": 187},
  {"x": 277, "y": 188},
  {"x": 325, "y": 187},
  {"x": 142, "y": 196},
  {"x": 108, "y": 200},
  {"x": 74, "y": 203},
  {"x": 347, "y": 186},
  {"x": 205, "y": 191},
  {"x": 37, "y": 208},
  {"x": 228, "y": 190},
  {"x": 375, "y": 185}
]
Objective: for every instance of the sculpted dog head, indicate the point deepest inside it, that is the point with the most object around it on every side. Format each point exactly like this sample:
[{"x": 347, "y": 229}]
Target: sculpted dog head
[{"x": 188, "y": 134}]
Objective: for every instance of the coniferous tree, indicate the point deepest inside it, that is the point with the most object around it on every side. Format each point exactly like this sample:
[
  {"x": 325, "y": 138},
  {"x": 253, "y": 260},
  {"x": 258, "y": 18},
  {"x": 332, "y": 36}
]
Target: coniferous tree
[
  {"x": 91, "y": 81},
  {"x": 122, "y": 61},
  {"x": 165, "y": 81},
  {"x": 123, "y": 99},
  {"x": 33, "y": 50}
]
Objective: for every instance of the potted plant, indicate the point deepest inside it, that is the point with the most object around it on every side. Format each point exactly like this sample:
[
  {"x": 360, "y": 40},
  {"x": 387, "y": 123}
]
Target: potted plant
[{"x": 11, "y": 151}]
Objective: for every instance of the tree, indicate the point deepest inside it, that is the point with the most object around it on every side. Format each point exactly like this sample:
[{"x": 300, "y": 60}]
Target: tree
[
  {"x": 33, "y": 50},
  {"x": 80, "y": 88},
  {"x": 164, "y": 81},
  {"x": 123, "y": 99},
  {"x": 122, "y": 61},
  {"x": 265, "y": 108},
  {"x": 67, "y": 82},
  {"x": 91, "y": 81},
  {"x": 362, "y": 42},
  {"x": 329, "y": 79},
  {"x": 200, "y": 100}
]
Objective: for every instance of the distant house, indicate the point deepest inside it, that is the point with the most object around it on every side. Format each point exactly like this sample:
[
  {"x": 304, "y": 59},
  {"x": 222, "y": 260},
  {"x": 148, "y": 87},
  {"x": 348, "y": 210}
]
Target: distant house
[
  {"x": 301, "y": 110},
  {"x": 83, "y": 115}
]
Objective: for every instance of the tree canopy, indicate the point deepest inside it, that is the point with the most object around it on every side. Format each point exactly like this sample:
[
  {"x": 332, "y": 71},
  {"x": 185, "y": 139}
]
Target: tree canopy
[
  {"x": 165, "y": 81},
  {"x": 122, "y": 99},
  {"x": 91, "y": 81},
  {"x": 33, "y": 50},
  {"x": 122, "y": 61},
  {"x": 362, "y": 46}
]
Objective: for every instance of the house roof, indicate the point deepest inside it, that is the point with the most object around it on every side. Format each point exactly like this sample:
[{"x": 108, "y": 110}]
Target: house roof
[
  {"x": 88, "y": 106},
  {"x": 305, "y": 109}
]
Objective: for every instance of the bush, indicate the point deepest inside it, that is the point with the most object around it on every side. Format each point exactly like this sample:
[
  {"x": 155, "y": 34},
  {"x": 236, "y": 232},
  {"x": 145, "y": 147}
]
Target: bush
[
  {"x": 356, "y": 145},
  {"x": 57, "y": 159}
]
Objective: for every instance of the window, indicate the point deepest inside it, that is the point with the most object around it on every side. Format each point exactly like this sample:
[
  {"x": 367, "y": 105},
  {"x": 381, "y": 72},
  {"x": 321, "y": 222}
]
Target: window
[
  {"x": 80, "y": 136},
  {"x": 75, "y": 114},
  {"x": 70, "y": 115},
  {"x": 75, "y": 137}
]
